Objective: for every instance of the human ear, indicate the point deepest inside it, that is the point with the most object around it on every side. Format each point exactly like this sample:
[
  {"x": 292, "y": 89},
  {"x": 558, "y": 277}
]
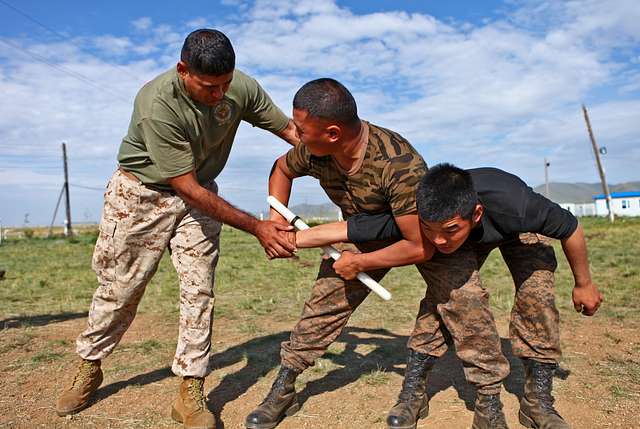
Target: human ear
[
  {"x": 182, "y": 68},
  {"x": 334, "y": 132},
  {"x": 477, "y": 213}
]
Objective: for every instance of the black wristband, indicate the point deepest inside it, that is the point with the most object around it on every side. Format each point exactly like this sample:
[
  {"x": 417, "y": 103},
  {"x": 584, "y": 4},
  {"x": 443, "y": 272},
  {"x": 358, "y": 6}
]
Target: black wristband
[{"x": 295, "y": 218}]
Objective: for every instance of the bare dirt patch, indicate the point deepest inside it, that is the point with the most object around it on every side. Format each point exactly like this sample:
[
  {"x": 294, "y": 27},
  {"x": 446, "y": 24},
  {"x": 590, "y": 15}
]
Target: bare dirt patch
[{"x": 353, "y": 385}]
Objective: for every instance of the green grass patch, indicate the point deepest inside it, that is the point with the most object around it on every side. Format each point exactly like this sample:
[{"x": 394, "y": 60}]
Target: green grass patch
[
  {"x": 53, "y": 277},
  {"x": 377, "y": 377},
  {"x": 46, "y": 357}
]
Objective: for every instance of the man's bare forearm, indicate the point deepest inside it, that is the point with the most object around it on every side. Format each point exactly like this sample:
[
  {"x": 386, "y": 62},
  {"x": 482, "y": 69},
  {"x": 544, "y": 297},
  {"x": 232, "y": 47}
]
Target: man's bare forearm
[
  {"x": 575, "y": 249},
  {"x": 289, "y": 134},
  {"x": 403, "y": 252},
  {"x": 586, "y": 296},
  {"x": 218, "y": 208},
  {"x": 412, "y": 249},
  {"x": 280, "y": 182},
  {"x": 322, "y": 235}
]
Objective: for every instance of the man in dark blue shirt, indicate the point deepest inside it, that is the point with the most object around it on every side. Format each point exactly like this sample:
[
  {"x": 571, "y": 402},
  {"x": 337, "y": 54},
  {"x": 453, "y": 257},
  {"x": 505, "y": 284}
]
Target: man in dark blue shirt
[{"x": 465, "y": 214}]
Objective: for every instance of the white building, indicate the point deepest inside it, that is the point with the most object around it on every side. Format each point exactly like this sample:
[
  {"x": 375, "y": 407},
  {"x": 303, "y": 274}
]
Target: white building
[
  {"x": 580, "y": 209},
  {"x": 623, "y": 204}
]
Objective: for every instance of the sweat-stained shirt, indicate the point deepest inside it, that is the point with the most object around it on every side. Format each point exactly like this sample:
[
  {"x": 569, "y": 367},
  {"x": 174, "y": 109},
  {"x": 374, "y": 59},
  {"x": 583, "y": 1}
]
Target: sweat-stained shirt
[
  {"x": 170, "y": 134},
  {"x": 385, "y": 182},
  {"x": 511, "y": 207}
]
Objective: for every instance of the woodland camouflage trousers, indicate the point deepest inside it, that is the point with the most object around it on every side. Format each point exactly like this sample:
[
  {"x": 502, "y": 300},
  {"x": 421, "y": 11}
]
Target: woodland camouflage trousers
[{"x": 455, "y": 307}]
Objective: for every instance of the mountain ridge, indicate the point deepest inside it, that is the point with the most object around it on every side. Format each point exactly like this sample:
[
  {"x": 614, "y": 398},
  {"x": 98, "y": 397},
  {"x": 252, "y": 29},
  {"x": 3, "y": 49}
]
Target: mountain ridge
[{"x": 560, "y": 192}]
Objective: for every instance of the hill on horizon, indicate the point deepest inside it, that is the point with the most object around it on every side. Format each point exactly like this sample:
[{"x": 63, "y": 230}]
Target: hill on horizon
[
  {"x": 560, "y": 193},
  {"x": 326, "y": 210},
  {"x": 582, "y": 192}
]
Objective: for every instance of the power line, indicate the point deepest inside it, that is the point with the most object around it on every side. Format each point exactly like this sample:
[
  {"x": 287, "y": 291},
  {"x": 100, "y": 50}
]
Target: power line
[
  {"x": 60, "y": 35},
  {"x": 32, "y": 19},
  {"x": 92, "y": 188},
  {"x": 65, "y": 70}
]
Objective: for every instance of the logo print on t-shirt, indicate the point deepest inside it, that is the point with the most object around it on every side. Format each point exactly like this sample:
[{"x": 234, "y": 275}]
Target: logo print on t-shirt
[{"x": 222, "y": 111}]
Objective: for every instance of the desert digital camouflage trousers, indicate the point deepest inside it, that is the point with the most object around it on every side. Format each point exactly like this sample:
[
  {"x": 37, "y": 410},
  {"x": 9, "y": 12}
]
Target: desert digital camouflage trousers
[
  {"x": 456, "y": 305},
  {"x": 138, "y": 224}
]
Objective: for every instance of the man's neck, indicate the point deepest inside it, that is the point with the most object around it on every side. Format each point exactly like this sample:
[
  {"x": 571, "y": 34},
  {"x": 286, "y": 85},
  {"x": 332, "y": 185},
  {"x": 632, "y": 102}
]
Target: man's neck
[{"x": 353, "y": 147}]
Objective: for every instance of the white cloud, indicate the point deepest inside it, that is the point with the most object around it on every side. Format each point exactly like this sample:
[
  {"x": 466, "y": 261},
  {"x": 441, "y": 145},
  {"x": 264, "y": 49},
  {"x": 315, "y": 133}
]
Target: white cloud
[
  {"x": 142, "y": 24},
  {"x": 197, "y": 23},
  {"x": 17, "y": 176},
  {"x": 113, "y": 45},
  {"x": 506, "y": 92}
]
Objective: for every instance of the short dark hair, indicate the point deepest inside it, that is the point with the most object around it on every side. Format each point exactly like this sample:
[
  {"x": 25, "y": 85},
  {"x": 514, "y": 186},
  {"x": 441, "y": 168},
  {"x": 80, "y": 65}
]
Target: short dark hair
[
  {"x": 209, "y": 52},
  {"x": 328, "y": 99},
  {"x": 445, "y": 191}
]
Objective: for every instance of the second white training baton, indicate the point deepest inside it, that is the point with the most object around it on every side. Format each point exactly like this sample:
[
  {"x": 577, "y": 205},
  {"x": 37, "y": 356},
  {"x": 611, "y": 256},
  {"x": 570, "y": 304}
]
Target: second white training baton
[{"x": 329, "y": 250}]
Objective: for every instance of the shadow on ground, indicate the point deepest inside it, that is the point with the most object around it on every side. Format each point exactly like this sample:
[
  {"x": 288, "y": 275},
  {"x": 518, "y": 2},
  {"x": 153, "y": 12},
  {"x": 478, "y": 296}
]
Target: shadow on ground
[
  {"x": 262, "y": 355},
  {"x": 39, "y": 320},
  {"x": 389, "y": 355},
  {"x": 138, "y": 380}
]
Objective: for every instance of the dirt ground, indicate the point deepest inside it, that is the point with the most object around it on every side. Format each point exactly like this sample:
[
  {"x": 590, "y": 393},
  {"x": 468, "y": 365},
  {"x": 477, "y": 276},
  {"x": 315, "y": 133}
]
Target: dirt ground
[{"x": 353, "y": 386}]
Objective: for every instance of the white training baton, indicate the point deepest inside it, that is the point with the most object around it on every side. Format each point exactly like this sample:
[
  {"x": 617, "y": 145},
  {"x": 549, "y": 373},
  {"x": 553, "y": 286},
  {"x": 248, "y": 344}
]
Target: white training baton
[{"x": 329, "y": 250}]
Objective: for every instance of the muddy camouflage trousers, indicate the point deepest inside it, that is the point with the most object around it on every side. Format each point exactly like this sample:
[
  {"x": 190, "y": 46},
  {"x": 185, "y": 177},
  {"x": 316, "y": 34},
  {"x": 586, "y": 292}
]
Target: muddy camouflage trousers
[
  {"x": 455, "y": 308},
  {"x": 138, "y": 224}
]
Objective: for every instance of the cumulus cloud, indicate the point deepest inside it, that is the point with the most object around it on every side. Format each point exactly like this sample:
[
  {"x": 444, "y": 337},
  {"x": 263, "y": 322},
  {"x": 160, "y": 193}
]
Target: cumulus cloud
[
  {"x": 505, "y": 92},
  {"x": 113, "y": 45},
  {"x": 143, "y": 23},
  {"x": 469, "y": 93}
]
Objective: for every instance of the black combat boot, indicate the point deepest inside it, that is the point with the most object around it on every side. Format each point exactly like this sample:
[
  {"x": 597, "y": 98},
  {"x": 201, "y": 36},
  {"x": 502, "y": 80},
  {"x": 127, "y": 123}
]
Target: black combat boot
[
  {"x": 536, "y": 406},
  {"x": 413, "y": 403},
  {"x": 488, "y": 413},
  {"x": 281, "y": 401}
]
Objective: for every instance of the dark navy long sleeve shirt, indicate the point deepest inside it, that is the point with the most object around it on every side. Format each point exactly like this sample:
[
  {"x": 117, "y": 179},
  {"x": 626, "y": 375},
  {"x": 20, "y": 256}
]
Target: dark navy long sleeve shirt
[{"x": 511, "y": 207}]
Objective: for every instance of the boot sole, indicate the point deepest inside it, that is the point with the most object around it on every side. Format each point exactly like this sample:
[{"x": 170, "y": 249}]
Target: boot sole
[
  {"x": 175, "y": 415},
  {"x": 63, "y": 413},
  {"x": 90, "y": 400},
  {"x": 424, "y": 412},
  {"x": 526, "y": 421},
  {"x": 294, "y": 408}
]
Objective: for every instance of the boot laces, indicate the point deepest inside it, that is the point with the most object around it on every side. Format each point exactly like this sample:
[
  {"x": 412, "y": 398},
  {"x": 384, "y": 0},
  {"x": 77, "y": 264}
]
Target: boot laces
[
  {"x": 494, "y": 411},
  {"x": 414, "y": 379},
  {"x": 543, "y": 383},
  {"x": 84, "y": 372},
  {"x": 196, "y": 386},
  {"x": 276, "y": 389}
]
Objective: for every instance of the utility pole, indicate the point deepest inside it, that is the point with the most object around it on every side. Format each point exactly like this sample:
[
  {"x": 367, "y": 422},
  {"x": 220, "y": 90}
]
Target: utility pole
[
  {"x": 596, "y": 152},
  {"x": 55, "y": 212},
  {"x": 546, "y": 177},
  {"x": 68, "y": 231}
]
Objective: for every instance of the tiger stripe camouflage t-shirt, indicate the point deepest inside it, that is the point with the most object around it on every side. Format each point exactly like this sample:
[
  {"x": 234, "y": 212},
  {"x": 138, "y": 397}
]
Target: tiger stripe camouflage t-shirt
[{"x": 386, "y": 181}]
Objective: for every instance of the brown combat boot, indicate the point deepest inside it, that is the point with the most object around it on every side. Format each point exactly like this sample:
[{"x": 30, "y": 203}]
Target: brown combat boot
[
  {"x": 413, "y": 403},
  {"x": 488, "y": 413},
  {"x": 281, "y": 401},
  {"x": 77, "y": 395},
  {"x": 189, "y": 408},
  {"x": 536, "y": 406}
]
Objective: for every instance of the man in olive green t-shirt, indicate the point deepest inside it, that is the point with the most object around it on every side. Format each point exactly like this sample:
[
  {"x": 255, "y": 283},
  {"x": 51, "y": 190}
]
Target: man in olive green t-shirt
[{"x": 164, "y": 195}]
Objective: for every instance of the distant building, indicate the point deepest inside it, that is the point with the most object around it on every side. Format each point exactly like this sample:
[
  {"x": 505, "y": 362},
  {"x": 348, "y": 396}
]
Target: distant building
[
  {"x": 623, "y": 204},
  {"x": 580, "y": 209}
]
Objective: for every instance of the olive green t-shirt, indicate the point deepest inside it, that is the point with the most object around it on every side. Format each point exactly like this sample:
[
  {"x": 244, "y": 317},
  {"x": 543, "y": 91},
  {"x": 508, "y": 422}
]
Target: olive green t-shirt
[
  {"x": 170, "y": 134},
  {"x": 386, "y": 181}
]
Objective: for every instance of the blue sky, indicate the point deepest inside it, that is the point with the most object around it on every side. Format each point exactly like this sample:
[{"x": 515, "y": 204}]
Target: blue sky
[{"x": 473, "y": 83}]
